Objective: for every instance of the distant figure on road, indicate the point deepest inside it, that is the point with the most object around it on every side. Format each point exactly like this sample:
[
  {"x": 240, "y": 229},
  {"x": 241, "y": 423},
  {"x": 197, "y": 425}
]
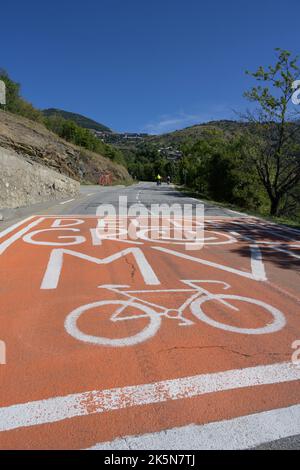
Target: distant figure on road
[
  {"x": 168, "y": 179},
  {"x": 158, "y": 179}
]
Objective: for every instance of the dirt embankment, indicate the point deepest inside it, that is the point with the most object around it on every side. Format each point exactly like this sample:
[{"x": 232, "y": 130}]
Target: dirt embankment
[{"x": 34, "y": 142}]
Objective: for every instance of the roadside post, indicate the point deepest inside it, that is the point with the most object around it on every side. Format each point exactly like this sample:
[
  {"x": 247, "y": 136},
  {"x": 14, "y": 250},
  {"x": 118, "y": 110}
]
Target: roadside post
[{"x": 2, "y": 93}]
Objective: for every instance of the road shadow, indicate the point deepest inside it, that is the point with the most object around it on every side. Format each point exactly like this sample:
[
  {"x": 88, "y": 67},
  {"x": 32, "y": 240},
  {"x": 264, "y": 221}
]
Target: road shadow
[{"x": 274, "y": 241}]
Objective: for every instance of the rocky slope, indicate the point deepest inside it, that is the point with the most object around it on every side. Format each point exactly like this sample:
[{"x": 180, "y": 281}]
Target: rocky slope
[
  {"x": 23, "y": 182},
  {"x": 34, "y": 142}
]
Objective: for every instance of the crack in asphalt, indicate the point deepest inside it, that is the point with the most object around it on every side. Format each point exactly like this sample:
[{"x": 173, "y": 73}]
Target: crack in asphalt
[
  {"x": 225, "y": 349},
  {"x": 132, "y": 266}
]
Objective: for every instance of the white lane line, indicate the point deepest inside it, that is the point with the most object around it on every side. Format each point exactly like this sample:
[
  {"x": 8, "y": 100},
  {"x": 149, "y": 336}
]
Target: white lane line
[
  {"x": 13, "y": 227},
  {"x": 285, "y": 229},
  {"x": 244, "y": 432},
  {"x": 238, "y": 213},
  {"x": 56, "y": 409},
  {"x": 4, "y": 245},
  {"x": 265, "y": 230},
  {"x": 253, "y": 275},
  {"x": 288, "y": 252},
  {"x": 66, "y": 202},
  {"x": 256, "y": 256},
  {"x": 257, "y": 264}
]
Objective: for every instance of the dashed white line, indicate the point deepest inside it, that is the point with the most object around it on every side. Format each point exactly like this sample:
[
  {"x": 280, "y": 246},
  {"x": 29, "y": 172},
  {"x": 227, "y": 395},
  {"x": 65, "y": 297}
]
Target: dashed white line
[
  {"x": 238, "y": 213},
  {"x": 66, "y": 202}
]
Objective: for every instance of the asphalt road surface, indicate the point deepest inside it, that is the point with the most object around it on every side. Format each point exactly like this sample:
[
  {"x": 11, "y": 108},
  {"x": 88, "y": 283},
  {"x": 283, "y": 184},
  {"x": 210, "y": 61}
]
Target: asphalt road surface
[{"x": 132, "y": 333}]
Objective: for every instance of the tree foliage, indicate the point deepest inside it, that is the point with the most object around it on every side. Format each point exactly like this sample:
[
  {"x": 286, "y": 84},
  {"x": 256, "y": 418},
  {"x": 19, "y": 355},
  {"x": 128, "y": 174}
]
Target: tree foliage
[
  {"x": 15, "y": 103},
  {"x": 71, "y": 132},
  {"x": 274, "y": 145},
  {"x": 65, "y": 128},
  {"x": 215, "y": 167}
]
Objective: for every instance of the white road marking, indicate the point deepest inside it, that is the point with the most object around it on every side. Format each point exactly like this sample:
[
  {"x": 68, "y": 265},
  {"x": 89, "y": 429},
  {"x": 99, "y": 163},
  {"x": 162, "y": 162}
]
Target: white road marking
[
  {"x": 153, "y": 325},
  {"x": 264, "y": 229},
  {"x": 238, "y": 213},
  {"x": 197, "y": 200},
  {"x": 56, "y": 259},
  {"x": 13, "y": 227},
  {"x": 4, "y": 245},
  {"x": 257, "y": 264},
  {"x": 284, "y": 229},
  {"x": 253, "y": 275},
  {"x": 58, "y": 223},
  {"x": 277, "y": 324},
  {"x": 198, "y": 238},
  {"x": 256, "y": 257},
  {"x": 66, "y": 202},
  {"x": 244, "y": 432},
  {"x": 288, "y": 252},
  {"x": 194, "y": 301},
  {"x": 56, "y": 409},
  {"x": 72, "y": 240},
  {"x": 65, "y": 216},
  {"x": 294, "y": 246},
  {"x": 97, "y": 239}
]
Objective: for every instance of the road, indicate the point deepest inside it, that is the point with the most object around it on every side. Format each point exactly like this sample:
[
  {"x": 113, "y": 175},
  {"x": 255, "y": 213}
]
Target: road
[{"x": 122, "y": 335}]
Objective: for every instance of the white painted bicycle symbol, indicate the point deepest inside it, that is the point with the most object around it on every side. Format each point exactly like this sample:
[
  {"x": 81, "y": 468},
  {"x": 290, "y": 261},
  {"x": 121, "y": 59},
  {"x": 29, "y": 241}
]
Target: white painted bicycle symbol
[
  {"x": 154, "y": 312},
  {"x": 163, "y": 236},
  {"x": 179, "y": 235}
]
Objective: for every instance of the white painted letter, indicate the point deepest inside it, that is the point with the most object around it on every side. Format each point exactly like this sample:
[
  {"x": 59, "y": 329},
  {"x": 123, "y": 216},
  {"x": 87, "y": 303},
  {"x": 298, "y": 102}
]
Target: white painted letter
[
  {"x": 55, "y": 264},
  {"x": 75, "y": 240}
]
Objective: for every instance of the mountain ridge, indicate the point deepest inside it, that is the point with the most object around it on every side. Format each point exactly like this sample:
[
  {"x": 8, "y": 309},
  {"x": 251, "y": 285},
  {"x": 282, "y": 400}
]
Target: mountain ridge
[{"x": 79, "y": 119}]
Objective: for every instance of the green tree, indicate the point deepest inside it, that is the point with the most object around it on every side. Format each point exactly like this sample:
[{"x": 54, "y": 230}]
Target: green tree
[
  {"x": 71, "y": 132},
  {"x": 12, "y": 92},
  {"x": 15, "y": 103},
  {"x": 273, "y": 148}
]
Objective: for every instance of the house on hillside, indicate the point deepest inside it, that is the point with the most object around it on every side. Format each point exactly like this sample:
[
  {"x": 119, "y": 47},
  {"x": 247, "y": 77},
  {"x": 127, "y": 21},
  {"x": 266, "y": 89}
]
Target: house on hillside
[{"x": 170, "y": 154}]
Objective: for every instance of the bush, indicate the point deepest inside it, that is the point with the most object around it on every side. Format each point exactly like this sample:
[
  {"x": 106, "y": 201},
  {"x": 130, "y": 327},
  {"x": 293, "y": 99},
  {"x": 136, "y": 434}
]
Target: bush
[
  {"x": 15, "y": 103},
  {"x": 71, "y": 132}
]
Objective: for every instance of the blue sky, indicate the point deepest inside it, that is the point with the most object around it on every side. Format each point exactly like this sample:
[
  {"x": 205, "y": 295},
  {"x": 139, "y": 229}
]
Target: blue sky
[{"x": 150, "y": 66}]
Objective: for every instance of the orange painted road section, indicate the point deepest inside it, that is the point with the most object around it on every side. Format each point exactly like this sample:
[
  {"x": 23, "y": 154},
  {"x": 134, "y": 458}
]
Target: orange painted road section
[{"x": 81, "y": 313}]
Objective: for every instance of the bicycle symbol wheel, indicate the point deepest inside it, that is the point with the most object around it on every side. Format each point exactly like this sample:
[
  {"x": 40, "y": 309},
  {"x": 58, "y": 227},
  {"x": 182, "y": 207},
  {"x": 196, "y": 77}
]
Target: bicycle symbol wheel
[
  {"x": 164, "y": 238},
  {"x": 277, "y": 324},
  {"x": 147, "y": 332}
]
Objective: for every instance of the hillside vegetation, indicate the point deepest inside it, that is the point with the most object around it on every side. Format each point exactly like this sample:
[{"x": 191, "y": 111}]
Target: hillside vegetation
[
  {"x": 198, "y": 131},
  {"x": 81, "y": 121},
  {"x": 253, "y": 163},
  {"x": 65, "y": 129},
  {"x": 32, "y": 140}
]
